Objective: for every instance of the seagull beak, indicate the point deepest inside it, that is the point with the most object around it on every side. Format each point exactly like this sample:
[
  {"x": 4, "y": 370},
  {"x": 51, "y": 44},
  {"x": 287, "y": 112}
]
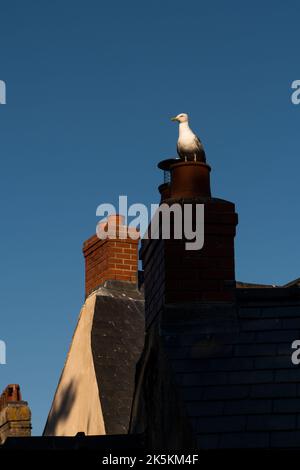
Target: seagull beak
[{"x": 174, "y": 118}]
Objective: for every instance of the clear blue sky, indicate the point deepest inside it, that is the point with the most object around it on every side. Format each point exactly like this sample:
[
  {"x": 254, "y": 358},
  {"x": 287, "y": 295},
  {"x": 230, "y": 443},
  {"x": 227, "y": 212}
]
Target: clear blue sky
[{"x": 91, "y": 86}]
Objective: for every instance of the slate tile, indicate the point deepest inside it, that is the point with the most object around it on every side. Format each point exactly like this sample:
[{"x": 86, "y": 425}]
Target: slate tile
[
  {"x": 286, "y": 439},
  {"x": 205, "y": 408},
  {"x": 256, "y": 349},
  {"x": 249, "y": 312},
  {"x": 208, "y": 441},
  {"x": 198, "y": 379},
  {"x": 290, "y": 323},
  {"x": 279, "y": 336},
  {"x": 250, "y": 377},
  {"x": 261, "y": 324},
  {"x": 286, "y": 405},
  {"x": 292, "y": 375},
  {"x": 275, "y": 390},
  {"x": 275, "y": 362},
  {"x": 247, "y": 407},
  {"x": 278, "y": 422},
  {"x": 283, "y": 311},
  {"x": 229, "y": 392},
  {"x": 222, "y": 424},
  {"x": 191, "y": 393},
  {"x": 245, "y": 440}
]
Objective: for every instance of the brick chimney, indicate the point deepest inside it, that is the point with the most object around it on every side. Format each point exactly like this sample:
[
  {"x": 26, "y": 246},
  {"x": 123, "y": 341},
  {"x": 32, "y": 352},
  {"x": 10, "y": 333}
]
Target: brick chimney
[
  {"x": 114, "y": 258},
  {"x": 171, "y": 273},
  {"x": 15, "y": 415}
]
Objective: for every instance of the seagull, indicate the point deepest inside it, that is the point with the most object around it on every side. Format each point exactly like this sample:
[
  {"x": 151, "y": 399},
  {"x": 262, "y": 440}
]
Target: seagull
[{"x": 189, "y": 146}]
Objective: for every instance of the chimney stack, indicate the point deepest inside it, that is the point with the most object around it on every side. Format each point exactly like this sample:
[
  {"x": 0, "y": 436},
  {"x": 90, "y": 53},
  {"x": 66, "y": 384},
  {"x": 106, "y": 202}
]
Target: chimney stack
[
  {"x": 173, "y": 274},
  {"x": 15, "y": 415},
  {"x": 114, "y": 258}
]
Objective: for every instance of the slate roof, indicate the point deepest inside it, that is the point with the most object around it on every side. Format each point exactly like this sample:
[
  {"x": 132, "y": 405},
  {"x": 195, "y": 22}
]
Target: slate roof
[
  {"x": 234, "y": 371},
  {"x": 117, "y": 340}
]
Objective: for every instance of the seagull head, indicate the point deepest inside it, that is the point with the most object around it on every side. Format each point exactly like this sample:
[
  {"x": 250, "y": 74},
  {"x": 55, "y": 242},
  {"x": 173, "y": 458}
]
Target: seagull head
[{"x": 182, "y": 117}]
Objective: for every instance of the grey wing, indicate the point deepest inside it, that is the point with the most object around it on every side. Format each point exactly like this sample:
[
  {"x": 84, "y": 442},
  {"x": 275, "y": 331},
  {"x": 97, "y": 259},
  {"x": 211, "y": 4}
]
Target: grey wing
[
  {"x": 200, "y": 148},
  {"x": 198, "y": 143}
]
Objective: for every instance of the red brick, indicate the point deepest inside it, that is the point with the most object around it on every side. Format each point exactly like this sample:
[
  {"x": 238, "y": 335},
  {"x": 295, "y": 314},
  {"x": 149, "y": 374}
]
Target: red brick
[
  {"x": 115, "y": 259},
  {"x": 173, "y": 274}
]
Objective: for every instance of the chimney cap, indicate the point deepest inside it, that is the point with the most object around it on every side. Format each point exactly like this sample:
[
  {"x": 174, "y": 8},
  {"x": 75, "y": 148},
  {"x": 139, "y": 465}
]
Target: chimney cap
[
  {"x": 166, "y": 164},
  {"x": 184, "y": 179},
  {"x": 11, "y": 393}
]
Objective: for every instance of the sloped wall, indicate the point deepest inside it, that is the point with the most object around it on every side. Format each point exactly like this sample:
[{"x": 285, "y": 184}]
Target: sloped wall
[{"x": 76, "y": 406}]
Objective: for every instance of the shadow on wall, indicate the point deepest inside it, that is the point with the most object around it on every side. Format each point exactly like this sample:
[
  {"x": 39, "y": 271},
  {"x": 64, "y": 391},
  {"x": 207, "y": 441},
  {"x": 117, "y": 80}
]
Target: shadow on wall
[{"x": 60, "y": 412}]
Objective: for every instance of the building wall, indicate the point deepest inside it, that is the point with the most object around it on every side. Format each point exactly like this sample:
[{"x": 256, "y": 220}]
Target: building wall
[{"x": 76, "y": 406}]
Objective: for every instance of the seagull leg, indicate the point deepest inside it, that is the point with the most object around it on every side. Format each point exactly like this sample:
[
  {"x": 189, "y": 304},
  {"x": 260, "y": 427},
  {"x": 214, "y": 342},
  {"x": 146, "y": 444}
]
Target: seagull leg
[
  {"x": 195, "y": 157},
  {"x": 185, "y": 158}
]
